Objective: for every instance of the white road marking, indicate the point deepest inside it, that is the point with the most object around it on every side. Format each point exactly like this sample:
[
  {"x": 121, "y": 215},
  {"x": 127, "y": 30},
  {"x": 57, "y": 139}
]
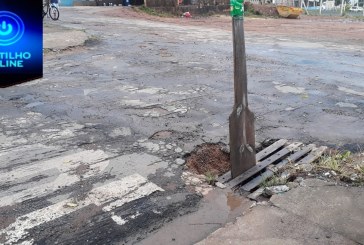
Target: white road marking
[
  {"x": 11, "y": 198},
  {"x": 118, "y": 220},
  {"x": 140, "y": 192},
  {"x": 20, "y": 153},
  {"x": 122, "y": 191},
  {"x": 94, "y": 160},
  {"x": 63, "y": 163}
]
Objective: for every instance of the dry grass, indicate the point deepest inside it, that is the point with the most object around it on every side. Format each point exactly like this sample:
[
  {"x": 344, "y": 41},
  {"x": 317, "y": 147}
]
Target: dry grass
[
  {"x": 343, "y": 165},
  {"x": 336, "y": 165},
  {"x": 335, "y": 161}
]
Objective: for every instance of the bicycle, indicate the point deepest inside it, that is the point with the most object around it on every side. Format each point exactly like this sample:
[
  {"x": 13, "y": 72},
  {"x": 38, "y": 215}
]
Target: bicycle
[{"x": 50, "y": 9}]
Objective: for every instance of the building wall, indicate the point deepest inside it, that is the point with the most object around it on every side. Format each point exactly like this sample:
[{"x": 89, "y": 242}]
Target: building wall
[
  {"x": 66, "y": 3},
  {"x": 84, "y": 2}
]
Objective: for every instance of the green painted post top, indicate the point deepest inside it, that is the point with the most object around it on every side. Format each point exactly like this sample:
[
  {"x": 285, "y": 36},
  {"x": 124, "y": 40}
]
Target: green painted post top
[{"x": 237, "y": 8}]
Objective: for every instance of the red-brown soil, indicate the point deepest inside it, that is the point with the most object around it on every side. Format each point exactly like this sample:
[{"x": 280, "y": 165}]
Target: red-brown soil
[{"x": 208, "y": 158}]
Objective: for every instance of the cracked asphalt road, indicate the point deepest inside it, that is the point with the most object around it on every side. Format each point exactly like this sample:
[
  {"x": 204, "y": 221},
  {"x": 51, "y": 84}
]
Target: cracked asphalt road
[{"x": 78, "y": 164}]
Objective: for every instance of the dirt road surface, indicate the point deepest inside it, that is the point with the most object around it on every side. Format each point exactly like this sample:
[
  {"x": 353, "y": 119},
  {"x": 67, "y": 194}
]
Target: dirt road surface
[
  {"x": 80, "y": 160},
  {"x": 308, "y": 28}
]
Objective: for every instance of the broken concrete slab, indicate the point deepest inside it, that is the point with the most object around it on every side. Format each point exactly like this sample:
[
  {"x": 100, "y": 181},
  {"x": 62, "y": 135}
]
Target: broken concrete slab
[
  {"x": 337, "y": 208},
  {"x": 217, "y": 208},
  {"x": 62, "y": 38},
  {"x": 316, "y": 183},
  {"x": 269, "y": 191},
  {"x": 271, "y": 225}
]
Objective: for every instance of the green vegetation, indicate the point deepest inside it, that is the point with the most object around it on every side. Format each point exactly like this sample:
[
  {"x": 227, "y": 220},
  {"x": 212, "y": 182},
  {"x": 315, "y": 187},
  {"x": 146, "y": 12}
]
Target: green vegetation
[
  {"x": 273, "y": 181},
  {"x": 153, "y": 12},
  {"x": 210, "y": 178},
  {"x": 335, "y": 162},
  {"x": 347, "y": 166},
  {"x": 249, "y": 10},
  {"x": 360, "y": 168},
  {"x": 336, "y": 165}
]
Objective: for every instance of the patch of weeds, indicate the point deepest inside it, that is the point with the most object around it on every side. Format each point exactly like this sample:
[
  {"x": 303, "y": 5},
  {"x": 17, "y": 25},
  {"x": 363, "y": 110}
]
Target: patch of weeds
[
  {"x": 250, "y": 11},
  {"x": 153, "y": 12},
  {"x": 343, "y": 166},
  {"x": 335, "y": 161},
  {"x": 304, "y": 96},
  {"x": 347, "y": 8},
  {"x": 210, "y": 178},
  {"x": 358, "y": 18},
  {"x": 273, "y": 181},
  {"x": 360, "y": 168}
]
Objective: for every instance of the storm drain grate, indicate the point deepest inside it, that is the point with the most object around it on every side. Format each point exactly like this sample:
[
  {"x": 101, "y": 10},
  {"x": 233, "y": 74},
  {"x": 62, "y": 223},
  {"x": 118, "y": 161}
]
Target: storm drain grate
[{"x": 270, "y": 160}]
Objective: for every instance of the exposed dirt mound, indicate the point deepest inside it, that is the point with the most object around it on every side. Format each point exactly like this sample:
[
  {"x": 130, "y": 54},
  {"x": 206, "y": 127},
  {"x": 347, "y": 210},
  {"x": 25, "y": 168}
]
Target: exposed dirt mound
[
  {"x": 259, "y": 9},
  {"x": 208, "y": 158}
]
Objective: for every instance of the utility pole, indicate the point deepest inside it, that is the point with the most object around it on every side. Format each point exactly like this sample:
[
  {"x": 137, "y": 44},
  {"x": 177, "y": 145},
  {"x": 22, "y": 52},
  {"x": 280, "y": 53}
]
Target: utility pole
[{"x": 242, "y": 133}]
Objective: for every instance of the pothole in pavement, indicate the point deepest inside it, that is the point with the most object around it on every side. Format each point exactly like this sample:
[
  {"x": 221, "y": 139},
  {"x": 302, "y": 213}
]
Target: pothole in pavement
[
  {"x": 212, "y": 158},
  {"x": 92, "y": 41},
  {"x": 208, "y": 159}
]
